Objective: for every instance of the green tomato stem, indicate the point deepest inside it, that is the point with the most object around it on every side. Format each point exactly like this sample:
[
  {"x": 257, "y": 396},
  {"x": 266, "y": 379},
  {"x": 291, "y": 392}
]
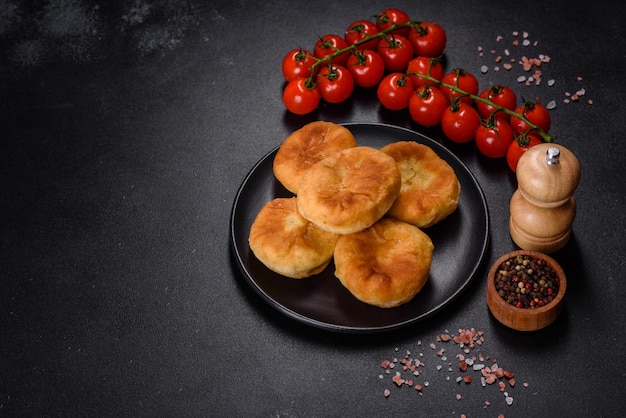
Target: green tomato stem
[
  {"x": 544, "y": 135},
  {"x": 381, "y": 34}
]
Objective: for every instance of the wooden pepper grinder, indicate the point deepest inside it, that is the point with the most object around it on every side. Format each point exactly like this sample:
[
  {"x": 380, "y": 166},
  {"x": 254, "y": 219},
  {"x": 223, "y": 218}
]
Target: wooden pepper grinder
[{"x": 543, "y": 207}]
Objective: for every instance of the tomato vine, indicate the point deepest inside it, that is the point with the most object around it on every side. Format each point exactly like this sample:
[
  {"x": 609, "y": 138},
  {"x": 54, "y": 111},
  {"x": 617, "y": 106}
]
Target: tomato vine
[{"x": 319, "y": 67}]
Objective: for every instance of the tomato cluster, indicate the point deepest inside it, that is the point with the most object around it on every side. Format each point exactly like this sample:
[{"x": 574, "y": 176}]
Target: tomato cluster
[{"x": 402, "y": 60}]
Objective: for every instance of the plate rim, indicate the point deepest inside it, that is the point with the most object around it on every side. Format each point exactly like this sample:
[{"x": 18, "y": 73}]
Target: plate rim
[{"x": 297, "y": 316}]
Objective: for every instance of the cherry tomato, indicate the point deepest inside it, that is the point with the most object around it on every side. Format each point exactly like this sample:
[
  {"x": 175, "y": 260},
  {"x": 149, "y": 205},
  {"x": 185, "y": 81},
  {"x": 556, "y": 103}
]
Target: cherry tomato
[
  {"x": 535, "y": 113},
  {"x": 396, "y": 51},
  {"x": 428, "y": 39},
  {"x": 427, "y": 105},
  {"x": 392, "y": 16},
  {"x": 329, "y": 44},
  {"x": 499, "y": 95},
  {"x": 463, "y": 80},
  {"x": 297, "y": 63},
  {"x": 367, "y": 68},
  {"x": 394, "y": 91},
  {"x": 518, "y": 147},
  {"x": 424, "y": 65},
  {"x": 358, "y": 31},
  {"x": 299, "y": 97},
  {"x": 335, "y": 83},
  {"x": 493, "y": 137},
  {"x": 459, "y": 122}
]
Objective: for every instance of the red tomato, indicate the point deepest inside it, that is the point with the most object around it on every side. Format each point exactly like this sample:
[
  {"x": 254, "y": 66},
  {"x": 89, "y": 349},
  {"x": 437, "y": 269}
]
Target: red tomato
[
  {"x": 358, "y": 31},
  {"x": 394, "y": 91},
  {"x": 428, "y": 39},
  {"x": 499, "y": 95},
  {"x": 518, "y": 147},
  {"x": 427, "y": 105},
  {"x": 392, "y": 16},
  {"x": 367, "y": 68},
  {"x": 426, "y": 66},
  {"x": 535, "y": 113},
  {"x": 459, "y": 122},
  {"x": 329, "y": 44},
  {"x": 299, "y": 97},
  {"x": 463, "y": 80},
  {"x": 297, "y": 63},
  {"x": 335, "y": 83},
  {"x": 396, "y": 52},
  {"x": 494, "y": 137}
]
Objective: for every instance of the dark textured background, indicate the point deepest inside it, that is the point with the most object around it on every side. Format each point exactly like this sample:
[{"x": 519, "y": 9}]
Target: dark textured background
[{"x": 125, "y": 132}]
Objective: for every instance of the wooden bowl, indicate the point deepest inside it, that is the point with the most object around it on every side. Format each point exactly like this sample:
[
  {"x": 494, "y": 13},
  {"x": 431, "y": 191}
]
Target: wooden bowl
[{"x": 525, "y": 319}]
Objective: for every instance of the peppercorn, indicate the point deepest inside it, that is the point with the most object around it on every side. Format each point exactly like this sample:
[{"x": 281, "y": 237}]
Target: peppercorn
[{"x": 526, "y": 282}]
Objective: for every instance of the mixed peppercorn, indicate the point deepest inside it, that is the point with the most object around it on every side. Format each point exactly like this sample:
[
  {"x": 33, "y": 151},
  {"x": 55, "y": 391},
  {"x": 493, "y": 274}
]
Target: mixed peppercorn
[{"x": 527, "y": 282}]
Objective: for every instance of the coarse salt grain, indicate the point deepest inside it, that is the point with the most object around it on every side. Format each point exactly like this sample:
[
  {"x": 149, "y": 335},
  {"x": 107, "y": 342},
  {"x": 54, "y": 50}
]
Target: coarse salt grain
[
  {"x": 468, "y": 339},
  {"x": 551, "y": 105}
]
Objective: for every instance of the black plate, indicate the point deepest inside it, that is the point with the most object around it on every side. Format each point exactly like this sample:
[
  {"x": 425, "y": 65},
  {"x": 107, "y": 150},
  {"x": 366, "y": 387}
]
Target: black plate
[{"x": 321, "y": 301}]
